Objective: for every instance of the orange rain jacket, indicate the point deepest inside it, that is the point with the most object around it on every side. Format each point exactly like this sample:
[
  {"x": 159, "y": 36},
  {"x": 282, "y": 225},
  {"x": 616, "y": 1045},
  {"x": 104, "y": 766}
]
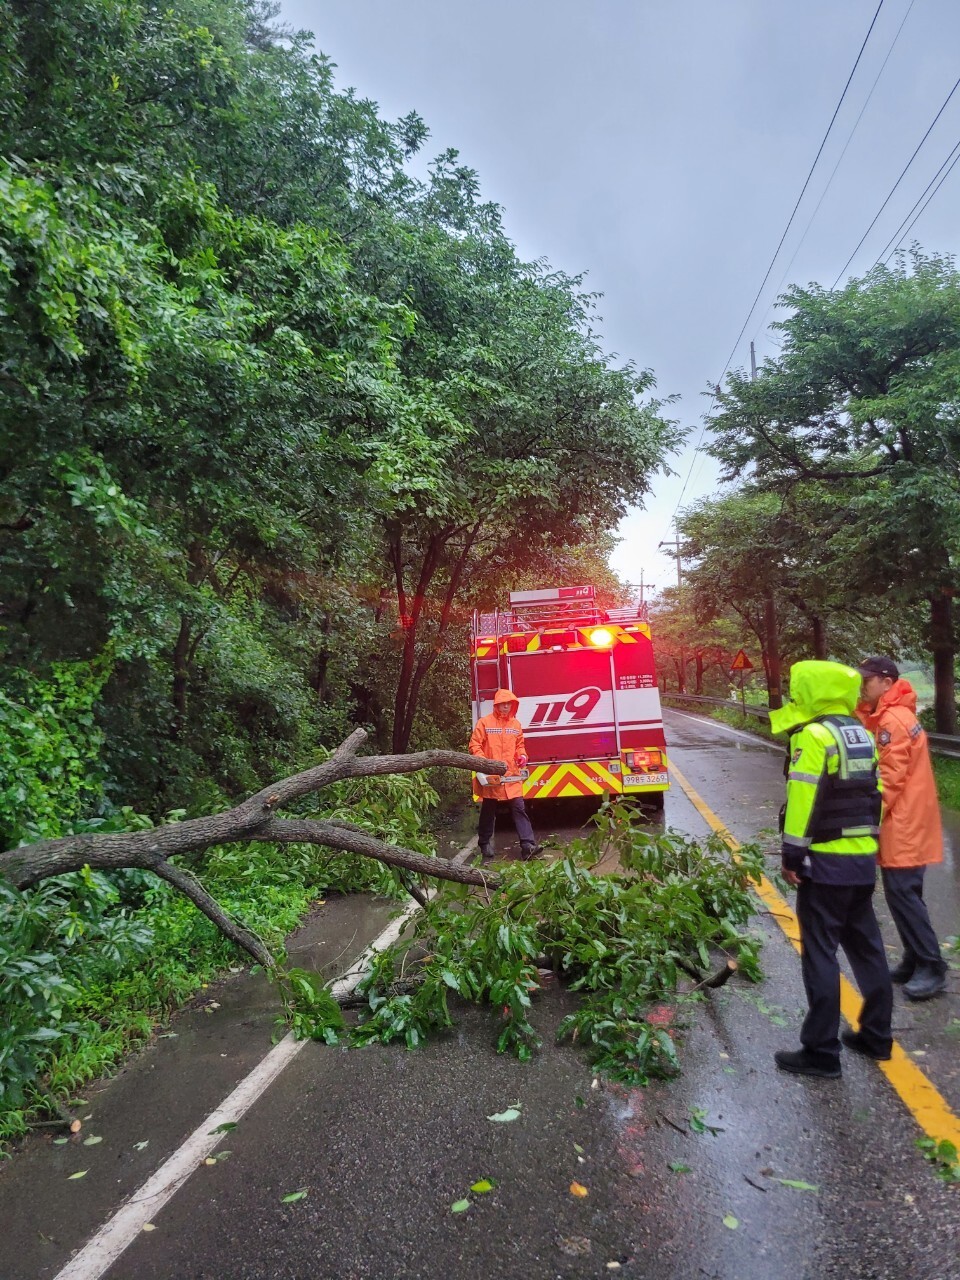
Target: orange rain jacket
[
  {"x": 910, "y": 831},
  {"x": 500, "y": 740}
]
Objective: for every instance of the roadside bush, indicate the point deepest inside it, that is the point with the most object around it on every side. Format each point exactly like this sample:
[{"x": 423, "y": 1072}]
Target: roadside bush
[
  {"x": 90, "y": 963},
  {"x": 49, "y": 750}
]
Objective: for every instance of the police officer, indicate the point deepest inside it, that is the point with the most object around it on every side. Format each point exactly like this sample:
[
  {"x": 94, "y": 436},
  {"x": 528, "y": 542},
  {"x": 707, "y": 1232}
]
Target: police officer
[{"x": 831, "y": 822}]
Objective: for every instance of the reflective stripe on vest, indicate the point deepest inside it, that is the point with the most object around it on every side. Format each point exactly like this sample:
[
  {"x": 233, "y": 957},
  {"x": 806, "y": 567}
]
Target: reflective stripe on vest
[{"x": 848, "y": 801}]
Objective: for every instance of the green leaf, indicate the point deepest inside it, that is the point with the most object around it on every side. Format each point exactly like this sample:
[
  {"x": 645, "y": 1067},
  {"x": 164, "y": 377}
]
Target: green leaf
[
  {"x": 81, "y": 1174},
  {"x": 294, "y": 1196},
  {"x": 505, "y": 1117},
  {"x": 483, "y": 1185},
  {"x": 460, "y": 1206},
  {"x": 799, "y": 1186},
  {"x": 60, "y": 1142},
  {"x": 731, "y": 1222},
  {"x": 677, "y": 1167},
  {"x": 578, "y": 1149},
  {"x": 228, "y": 1126}
]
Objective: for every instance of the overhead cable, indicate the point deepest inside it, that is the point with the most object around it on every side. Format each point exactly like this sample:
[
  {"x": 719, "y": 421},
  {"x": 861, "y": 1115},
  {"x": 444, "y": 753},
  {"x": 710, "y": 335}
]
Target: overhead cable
[
  {"x": 897, "y": 183},
  {"x": 919, "y": 213},
  {"x": 803, "y": 189},
  {"x": 846, "y": 147},
  {"x": 763, "y": 282},
  {"x": 903, "y": 228}
]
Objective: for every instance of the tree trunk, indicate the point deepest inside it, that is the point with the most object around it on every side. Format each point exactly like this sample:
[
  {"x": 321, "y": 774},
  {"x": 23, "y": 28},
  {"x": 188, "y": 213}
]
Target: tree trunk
[
  {"x": 944, "y": 648},
  {"x": 772, "y": 652},
  {"x": 819, "y": 633},
  {"x": 411, "y": 612},
  {"x": 181, "y": 676},
  {"x": 428, "y": 658},
  {"x": 698, "y": 689}
]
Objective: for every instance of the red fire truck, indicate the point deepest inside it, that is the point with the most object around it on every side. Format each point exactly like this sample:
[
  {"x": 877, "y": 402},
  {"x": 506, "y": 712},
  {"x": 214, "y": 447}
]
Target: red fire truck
[{"x": 585, "y": 679}]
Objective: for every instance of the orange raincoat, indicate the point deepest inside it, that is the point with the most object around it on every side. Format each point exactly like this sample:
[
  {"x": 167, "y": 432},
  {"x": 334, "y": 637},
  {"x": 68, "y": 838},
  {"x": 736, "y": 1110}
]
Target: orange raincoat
[
  {"x": 910, "y": 831},
  {"x": 500, "y": 739}
]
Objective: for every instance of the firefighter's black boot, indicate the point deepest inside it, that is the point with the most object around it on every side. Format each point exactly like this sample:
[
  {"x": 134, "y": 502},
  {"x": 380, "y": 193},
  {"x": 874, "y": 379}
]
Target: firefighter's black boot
[
  {"x": 486, "y": 850},
  {"x": 528, "y": 851},
  {"x": 903, "y": 972},
  {"x": 926, "y": 983}
]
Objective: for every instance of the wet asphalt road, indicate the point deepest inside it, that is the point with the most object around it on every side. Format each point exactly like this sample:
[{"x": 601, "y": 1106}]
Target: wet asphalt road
[{"x": 385, "y": 1141}]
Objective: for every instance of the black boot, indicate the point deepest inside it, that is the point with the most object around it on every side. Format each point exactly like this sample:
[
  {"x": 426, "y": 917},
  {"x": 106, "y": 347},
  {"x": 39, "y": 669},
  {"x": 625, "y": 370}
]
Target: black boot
[
  {"x": 486, "y": 849},
  {"x": 801, "y": 1063},
  {"x": 925, "y": 983},
  {"x": 853, "y": 1040},
  {"x": 528, "y": 851},
  {"x": 903, "y": 972}
]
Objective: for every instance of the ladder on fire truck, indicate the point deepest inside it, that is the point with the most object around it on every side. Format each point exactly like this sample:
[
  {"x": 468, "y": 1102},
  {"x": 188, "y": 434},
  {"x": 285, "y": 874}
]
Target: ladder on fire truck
[{"x": 554, "y": 607}]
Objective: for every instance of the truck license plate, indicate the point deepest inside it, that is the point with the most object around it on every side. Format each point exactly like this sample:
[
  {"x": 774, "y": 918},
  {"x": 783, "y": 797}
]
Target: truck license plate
[{"x": 645, "y": 779}]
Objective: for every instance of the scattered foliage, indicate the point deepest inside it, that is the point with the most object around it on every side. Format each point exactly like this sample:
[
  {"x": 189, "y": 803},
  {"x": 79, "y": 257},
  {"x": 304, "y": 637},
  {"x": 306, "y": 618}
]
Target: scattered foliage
[{"x": 620, "y": 940}]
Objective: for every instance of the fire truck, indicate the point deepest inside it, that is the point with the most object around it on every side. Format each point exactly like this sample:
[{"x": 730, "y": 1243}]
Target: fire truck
[{"x": 587, "y": 688}]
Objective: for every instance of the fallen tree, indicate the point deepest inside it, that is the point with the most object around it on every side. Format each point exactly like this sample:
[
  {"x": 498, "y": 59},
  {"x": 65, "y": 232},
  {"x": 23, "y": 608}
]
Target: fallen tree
[{"x": 254, "y": 819}]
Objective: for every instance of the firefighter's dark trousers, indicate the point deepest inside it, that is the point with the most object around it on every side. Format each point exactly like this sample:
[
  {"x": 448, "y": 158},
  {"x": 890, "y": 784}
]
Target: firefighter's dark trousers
[
  {"x": 521, "y": 821},
  {"x": 833, "y": 915},
  {"x": 903, "y": 888}
]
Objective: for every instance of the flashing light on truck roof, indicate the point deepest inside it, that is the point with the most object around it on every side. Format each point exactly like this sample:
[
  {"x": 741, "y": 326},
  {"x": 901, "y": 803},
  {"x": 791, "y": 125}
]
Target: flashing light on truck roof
[{"x": 601, "y": 637}]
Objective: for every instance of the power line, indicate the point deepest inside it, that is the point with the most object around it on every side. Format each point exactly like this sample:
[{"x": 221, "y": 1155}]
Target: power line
[
  {"x": 901, "y": 231},
  {"x": 928, "y": 199},
  {"x": 803, "y": 189},
  {"x": 897, "y": 183},
  {"x": 776, "y": 254},
  {"x": 846, "y": 147}
]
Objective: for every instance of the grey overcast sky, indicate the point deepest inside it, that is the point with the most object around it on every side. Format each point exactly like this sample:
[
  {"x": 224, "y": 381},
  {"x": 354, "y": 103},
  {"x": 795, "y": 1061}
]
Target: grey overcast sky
[{"x": 660, "y": 146}]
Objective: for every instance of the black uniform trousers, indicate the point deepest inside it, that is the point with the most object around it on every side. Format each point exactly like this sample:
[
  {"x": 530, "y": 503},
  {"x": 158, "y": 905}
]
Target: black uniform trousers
[
  {"x": 903, "y": 889},
  {"x": 841, "y": 915},
  {"x": 518, "y": 811}
]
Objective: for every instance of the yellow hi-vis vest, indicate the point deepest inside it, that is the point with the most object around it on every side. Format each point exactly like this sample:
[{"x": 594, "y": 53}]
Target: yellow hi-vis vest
[{"x": 833, "y": 789}]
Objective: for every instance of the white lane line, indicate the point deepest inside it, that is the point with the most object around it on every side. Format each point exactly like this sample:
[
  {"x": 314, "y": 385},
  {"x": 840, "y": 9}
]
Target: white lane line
[{"x": 103, "y": 1249}]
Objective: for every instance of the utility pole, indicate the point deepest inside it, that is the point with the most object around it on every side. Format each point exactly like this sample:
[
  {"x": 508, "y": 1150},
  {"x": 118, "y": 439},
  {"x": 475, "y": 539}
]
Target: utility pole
[
  {"x": 650, "y": 586},
  {"x": 682, "y": 681},
  {"x": 770, "y": 624},
  {"x": 675, "y": 542}
]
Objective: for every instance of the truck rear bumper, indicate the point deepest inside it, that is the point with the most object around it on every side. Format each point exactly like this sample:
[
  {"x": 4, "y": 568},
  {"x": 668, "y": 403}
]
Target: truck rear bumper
[{"x": 586, "y": 778}]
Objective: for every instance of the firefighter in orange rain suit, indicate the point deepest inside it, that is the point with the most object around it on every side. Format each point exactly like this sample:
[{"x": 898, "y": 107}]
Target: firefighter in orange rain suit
[
  {"x": 500, "y": 737},
  {"x": 910, "y": 833}
]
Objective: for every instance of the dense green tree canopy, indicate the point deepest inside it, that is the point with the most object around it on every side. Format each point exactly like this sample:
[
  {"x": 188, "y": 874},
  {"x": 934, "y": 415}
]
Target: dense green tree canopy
[
  {"x": 272, "y": 404},
  {"x": 850, "y": 439}
]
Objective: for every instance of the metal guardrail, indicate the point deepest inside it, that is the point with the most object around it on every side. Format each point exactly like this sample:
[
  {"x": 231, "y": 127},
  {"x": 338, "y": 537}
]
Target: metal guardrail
[
  {"x": 944, "y": 744},
  {"x": 941, "y": 744},
  {"x": 761, "y": 713}
]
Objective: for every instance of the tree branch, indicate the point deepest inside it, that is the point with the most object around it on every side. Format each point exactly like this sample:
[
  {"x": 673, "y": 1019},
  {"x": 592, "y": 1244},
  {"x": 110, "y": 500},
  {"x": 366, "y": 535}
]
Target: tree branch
[
  {"x": 30, "y": 864},
  {"x": 191, "y": 887}
]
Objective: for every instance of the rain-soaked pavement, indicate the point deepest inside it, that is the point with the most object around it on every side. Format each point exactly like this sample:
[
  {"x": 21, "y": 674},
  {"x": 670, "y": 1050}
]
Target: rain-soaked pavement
[{"x": 386, "y": 1141}]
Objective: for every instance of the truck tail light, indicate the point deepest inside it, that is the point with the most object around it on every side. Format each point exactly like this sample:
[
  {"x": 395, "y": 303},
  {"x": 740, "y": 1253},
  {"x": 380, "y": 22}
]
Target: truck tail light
[{"x": 651, "y": 760}]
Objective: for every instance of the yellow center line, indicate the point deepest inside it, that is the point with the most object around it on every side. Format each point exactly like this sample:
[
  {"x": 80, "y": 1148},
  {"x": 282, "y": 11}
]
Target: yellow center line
[{"x": 924, "y": 1101}]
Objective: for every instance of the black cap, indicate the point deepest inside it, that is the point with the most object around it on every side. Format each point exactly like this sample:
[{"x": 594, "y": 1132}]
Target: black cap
[{"x": 879, "y": 667}]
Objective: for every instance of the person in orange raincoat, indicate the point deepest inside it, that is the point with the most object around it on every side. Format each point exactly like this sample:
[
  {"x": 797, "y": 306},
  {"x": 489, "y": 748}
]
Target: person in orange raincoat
[
  {"x": 500, "y": 737},
  {"x": 911, "y": 837}
]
